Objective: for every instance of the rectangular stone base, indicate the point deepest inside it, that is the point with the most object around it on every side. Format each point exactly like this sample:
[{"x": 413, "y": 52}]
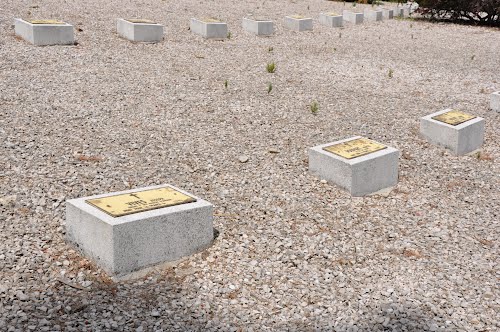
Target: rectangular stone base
[
  {"x": 360, "y": 176},
  {"x": 460, "y": 139},
  {"x": 495, "y": 101},
  {"x": 209, "y": 28},
  {"x": 373, "y": 15},
  {"x": 298, "y": 24},
  {"x": 44, "y": 34},
  {"x": 258, "y": 27},
  {"x": 331, "y": 20},
  {"x": 140, "y": 32},
  {"x": 352, "y": 17},
  {"x": 121, "y": 245},
  {"x": 402, "y": 12},
  {"x": 388, "y": 14}
]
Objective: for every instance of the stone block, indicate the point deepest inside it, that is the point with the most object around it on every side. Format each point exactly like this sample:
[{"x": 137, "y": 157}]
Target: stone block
[
  {"x": 373, "y": 15},
  {"x": 359, "y": 165},
  {"x": 402, "y": 12},
  {"x": 209, "y": 28},
  {"x": 130, "y": 230},
  {"x": 459, "y": 132},
  {"x": 298, "y": 23},
  {"x": 258, "y": 26},
  {"x": 332, "y": 20},
  {"x": 353, "y": 17},
  {"x": 45, "y": 32},
  {"x": 495, "y": 101},
  {"x": 387, "y": 13},
  {"x": 139, "y": 30}
]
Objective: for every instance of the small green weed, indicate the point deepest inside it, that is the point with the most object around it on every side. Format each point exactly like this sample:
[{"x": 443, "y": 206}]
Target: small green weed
[
  {"x": 271, "y": 67},
  {"x": 314, "y": 107}
]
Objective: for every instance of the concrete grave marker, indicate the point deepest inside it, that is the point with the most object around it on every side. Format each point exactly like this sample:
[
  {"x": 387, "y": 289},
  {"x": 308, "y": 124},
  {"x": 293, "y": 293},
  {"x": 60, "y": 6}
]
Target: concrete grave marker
[
  {"x": 332, "y": 20},
  {"x": 387, "y": 13},
  {"x": 140, "y": 30},
  {"x": 357, "y": 164},
  {"x": 258, "y": 26},
  {"x": 460, "y": 132},
  {"x": 374, "y": 15},
  {"x": 353, "y": 17},
  {"x": 298, "y": 23},
  {"x": 126, "y": 231},
  {"x": 495, "y": 101},
  {"x": 44, "y": 32},
  {"x": 402, "y": 11},
  {"x": 210, "y": 28}
]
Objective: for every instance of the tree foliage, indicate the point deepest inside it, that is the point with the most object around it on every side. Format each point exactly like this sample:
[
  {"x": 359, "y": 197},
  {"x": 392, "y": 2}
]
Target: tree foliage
[{"x": 483, "y": 11}]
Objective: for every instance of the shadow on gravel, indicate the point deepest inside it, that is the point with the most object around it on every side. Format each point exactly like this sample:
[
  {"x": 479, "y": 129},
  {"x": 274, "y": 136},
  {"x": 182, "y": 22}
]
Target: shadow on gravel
[{"x": 404, "y": 316}]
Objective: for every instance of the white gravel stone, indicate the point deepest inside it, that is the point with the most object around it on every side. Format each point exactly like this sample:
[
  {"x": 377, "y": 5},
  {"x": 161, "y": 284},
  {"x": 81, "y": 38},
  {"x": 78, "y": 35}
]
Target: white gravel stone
[{"x": 108, "y": 115}]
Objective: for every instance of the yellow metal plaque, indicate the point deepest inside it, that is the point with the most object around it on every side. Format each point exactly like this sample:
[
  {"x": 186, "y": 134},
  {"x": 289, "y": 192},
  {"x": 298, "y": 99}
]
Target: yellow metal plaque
[
  {"x": 125, "y": 204},
  {"x": 332, "y": 14},
  {"x": 45, "y": 22},
  {"x": 355, "y": 148},
  {"x": 211, "y": 20},
  {"x": 139, "y": 20},
  {"x": 454, "y": 117},
  {"x": 298, "y": 17}
]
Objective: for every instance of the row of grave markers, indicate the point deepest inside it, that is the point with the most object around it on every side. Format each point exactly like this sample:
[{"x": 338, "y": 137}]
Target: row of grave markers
[
  {"x": 127, "y": 231},
  {"x": 54, "y": 32}
]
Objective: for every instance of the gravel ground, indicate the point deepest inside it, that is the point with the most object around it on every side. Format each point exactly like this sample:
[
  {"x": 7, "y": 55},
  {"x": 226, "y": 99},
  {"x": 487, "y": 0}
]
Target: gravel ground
[{"x": 293, "y": 253}]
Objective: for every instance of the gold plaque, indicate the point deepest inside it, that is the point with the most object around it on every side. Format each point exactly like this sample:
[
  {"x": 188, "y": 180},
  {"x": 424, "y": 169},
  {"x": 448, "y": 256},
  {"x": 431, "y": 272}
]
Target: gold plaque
[
  {"x": 332, "y": 14},
  {"x": 139, "y": 20},
  {"x": 454, "y": 117},
  {"x": 211, "y": 20},
  {"x": 125, "y": 204},
  {"x": 45, "y": 22},
  {"x": 298, "y": 17},
  {"x": 355, "y": 148}
]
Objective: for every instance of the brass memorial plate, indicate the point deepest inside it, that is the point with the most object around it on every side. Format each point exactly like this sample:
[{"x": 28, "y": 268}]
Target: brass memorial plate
[
  {"x": 332, "y": 14},
  {"x": 454, "y": 117},
  {"x": 139, "y": 20},
  {"x": 45, "y": 22},
  {"x": 211, "y": 20},
  {"x": 355, "y": 148},
  {"x": 125, "y": 204}
]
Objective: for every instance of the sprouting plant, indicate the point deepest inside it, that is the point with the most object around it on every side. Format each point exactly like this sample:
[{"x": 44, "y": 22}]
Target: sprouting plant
[
  {"x": 226, "y": 83},
  {"x": 270, "y": 49},
  {"x": 271, "y": 67},
  {"x": 229, "y": 35},
  {"x": 354, "y": 4},
  {"x": 391, "y": 73},
  {"x": 269, "y": 88},
  {"x": 314, "y": 107}
]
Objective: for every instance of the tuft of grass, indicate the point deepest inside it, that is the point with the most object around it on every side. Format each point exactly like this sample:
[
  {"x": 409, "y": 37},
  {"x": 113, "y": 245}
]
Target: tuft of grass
[
  {"x": 483, "y": 156},
  {"x": 270, "y": 49},
  {"x": 271, "y": 67},
  {"x": 314, "y": 107},
  {"x": 391, "y": 73},
  {"x": 269, "y": 88},
  {"x": 226, "y": 83},
  {"x": 229, "y": 35}
]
